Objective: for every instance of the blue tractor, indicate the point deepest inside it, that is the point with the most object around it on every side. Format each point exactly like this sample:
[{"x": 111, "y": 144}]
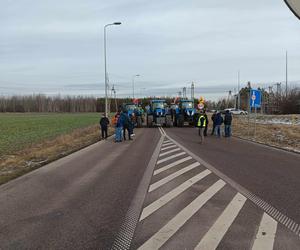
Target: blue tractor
[
  {"x": 134, "y": 111},
  {"x": 158, "y": 114},
  {"x": 184, "y": 113}
]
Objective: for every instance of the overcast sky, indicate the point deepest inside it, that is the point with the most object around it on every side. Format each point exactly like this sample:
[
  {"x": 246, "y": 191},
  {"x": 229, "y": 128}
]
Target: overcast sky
[{"x": 56, "y": 47}]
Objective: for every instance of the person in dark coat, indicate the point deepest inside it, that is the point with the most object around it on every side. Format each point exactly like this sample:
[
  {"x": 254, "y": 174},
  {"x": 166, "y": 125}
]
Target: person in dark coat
[
  {"x": 104, "y": 122},
  {"x": 126, "y": 125},
  {"x": 206, "y": 124},
  {"x": 214, "y": 123},
  {"x": 218, "y": 123},
  {"x": 227, "y": 123}
]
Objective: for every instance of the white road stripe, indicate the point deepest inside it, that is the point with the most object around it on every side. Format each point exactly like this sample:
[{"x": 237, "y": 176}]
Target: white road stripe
[
  {"x": 168, "y": 144},
  {"x": 151, "y": 208},
  {"x": 170, "y": 157},
  {"x": 172, "y": 176},
  {"x": 170, "y": 151},
  {"x": 173, "y": 164},
  {"x": 173, "y": 146},
  {"x": 212, "y": 238},
  {"x": 266, "y": 233},
  {"x": 166, "y": 141},
  {"x": 167, "y": 231}
]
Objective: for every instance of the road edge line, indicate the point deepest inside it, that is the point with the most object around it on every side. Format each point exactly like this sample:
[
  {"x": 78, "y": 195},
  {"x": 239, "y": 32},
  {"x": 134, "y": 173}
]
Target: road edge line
[
  {"x": 266, "y": 207},
  {"x": 125, "y": 235}
]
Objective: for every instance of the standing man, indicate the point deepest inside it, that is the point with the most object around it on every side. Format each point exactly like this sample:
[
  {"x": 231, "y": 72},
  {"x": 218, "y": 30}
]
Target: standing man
[
  {"x": 213, "y": 117},
  {"x": 227, "y": 123},
  {"x": 104, "y": 122},
  {"x": 218, "y": 123},
  {"x": 206, "y": 123},
  {"x": 126, "y": 125},
  {"x": 201, "y": 125}
]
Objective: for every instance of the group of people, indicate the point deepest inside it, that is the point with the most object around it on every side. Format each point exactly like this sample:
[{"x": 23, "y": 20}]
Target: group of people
[
  {"x": 122, "y": 123},
  {"x": 217, "y": 120}
]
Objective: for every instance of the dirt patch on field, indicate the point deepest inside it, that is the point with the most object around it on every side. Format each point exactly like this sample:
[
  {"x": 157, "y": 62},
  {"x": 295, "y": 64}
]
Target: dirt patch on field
[
  {"x": 14, "y": 165},
  {"x": 276, "y": 134}
]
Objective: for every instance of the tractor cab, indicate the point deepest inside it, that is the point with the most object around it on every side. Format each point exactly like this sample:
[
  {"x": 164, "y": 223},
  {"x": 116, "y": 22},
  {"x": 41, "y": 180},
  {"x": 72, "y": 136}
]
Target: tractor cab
[{"x": 135, "y": 112}]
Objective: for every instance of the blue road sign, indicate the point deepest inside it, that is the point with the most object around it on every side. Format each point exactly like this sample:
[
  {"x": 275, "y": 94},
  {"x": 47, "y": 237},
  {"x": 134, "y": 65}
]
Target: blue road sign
[{"x": 255, "y": 98}]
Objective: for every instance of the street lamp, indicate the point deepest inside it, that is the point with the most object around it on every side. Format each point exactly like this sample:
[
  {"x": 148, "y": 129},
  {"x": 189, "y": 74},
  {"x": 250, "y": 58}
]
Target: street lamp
[
  {"x": 133, "y": 85},
  {"x": 105, "y": 68},
  {"x": 294, "y": 6}
]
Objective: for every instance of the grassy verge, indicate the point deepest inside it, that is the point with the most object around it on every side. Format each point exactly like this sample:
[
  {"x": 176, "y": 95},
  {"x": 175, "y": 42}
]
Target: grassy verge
[
  {"x": 279, "y": 135},
  {"x": 284, "y": 135},
  {"x": 29, "y": 141}
]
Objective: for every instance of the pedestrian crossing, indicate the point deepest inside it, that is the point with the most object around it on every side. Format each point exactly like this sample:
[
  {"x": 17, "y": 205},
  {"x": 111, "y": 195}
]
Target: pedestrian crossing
[{"x": 189, "y": 207}]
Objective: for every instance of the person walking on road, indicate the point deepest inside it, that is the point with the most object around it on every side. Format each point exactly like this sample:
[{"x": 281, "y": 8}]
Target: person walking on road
[
  {"x": 218, "y": 123},
  {"x": 104, "y": 122},
  {"x": 227, "y": 123},
  {"x": 206, "y": 124},
  {"x": 126, "y": 125},
  {"x": 201, "y": 126},
  {"x": 213, "y": 117}
]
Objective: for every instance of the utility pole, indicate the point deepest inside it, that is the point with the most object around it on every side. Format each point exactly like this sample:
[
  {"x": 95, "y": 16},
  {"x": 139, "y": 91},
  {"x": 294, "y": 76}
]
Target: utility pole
[
  {"x": 193, "y": 92},
  {"x": 229, "y": 98},
  {"x": 239, "y": 96},
  {"x": 278, "y": 94},
  {"x": 115, "y": 98},
  {"x": 105, "y": 67},
  {"x": 286, "y": 74},
  {"x": 184, "y": 93}
]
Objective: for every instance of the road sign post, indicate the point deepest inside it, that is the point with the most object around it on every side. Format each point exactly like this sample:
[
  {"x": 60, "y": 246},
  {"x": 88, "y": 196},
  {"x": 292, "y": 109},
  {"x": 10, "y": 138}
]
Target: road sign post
[{"x": 255, "y": 102}]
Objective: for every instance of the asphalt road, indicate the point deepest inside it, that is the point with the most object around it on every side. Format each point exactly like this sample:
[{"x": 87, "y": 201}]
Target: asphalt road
[
  {"x": 271, "y": 174},
  {"x": 191, "y": 204},
  {"x": 81, "y": 201},
  {"x": 77, "y": 202}
]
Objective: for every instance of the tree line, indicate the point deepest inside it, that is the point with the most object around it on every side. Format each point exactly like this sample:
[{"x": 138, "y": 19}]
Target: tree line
[
  {"x": 64, "y": 104},
  {"x": 272, "y": 102}
]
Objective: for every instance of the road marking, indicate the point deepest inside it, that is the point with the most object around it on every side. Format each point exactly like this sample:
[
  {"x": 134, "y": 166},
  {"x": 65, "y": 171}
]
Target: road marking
[
  {"x": 170, "y": 157},
  {"x": 166, "y": 141},
  {"x": 167, "y": 231},
  {"x": 127, "y": 228},
  {"x": 277, "y": 215},
  {"x": 173, "y": 146},
  {"x": 151, "y": 208},
  {"x": 173, "y": 164},
  {"x": 170, "y": 151},
  {"x": 215, "y": 234},
  {"x": 172, "y": 176},
  {"x": 168, "y": 144},
  {"x": 266, "y": 233}
]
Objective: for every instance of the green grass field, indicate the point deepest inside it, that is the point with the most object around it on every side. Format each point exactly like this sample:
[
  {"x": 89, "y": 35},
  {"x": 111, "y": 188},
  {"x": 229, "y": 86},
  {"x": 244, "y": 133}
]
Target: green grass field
[{"x": 18, "y": 131}]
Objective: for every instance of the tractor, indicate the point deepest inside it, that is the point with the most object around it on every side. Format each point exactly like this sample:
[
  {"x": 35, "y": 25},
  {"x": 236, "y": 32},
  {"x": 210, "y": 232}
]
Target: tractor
[
  {"x": 133, "y": 110},
  {"x": 158, "y": 114},
  {"x": 184, "y": 113}
]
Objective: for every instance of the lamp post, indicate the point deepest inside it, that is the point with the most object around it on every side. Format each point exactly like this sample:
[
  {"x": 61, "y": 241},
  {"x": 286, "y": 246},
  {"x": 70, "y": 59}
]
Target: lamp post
[
  {"x": 133, "y": 85},
  {"x": 105, "y": 67}
]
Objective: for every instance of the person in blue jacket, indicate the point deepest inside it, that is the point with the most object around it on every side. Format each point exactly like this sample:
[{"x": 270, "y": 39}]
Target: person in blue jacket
[
  {"x": 119, "y": 127},
  {"x": 218, "y": 123}
]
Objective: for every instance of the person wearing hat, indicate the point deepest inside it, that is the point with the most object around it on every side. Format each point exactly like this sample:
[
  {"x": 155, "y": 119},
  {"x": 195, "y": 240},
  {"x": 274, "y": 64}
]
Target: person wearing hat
[{"x": 104, "y": 122}]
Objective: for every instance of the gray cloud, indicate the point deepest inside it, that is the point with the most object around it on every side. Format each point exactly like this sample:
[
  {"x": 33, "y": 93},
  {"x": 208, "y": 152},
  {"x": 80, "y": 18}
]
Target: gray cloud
[{"x": 50, "y": 46}]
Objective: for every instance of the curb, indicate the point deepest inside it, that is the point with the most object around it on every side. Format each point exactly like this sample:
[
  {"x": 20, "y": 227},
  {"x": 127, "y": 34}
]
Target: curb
[{"x": 267, "y": 145}]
